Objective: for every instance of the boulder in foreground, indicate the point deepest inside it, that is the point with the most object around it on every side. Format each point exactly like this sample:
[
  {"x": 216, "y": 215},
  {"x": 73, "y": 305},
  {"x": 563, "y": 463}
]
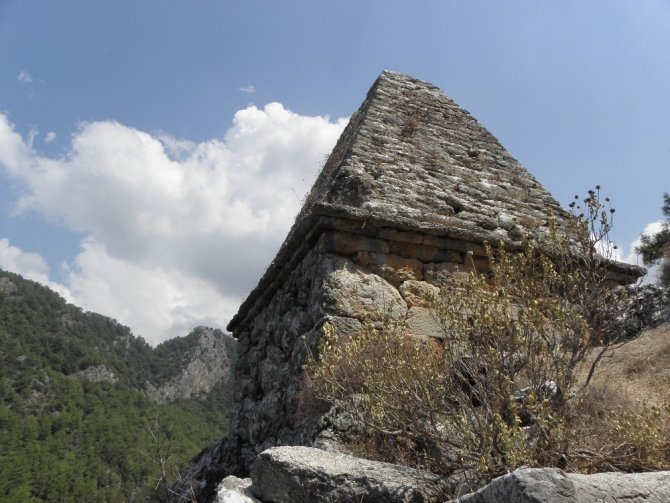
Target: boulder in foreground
[
  {"x": 308, "y": 475},
  {"x": 551, "y": 485}
]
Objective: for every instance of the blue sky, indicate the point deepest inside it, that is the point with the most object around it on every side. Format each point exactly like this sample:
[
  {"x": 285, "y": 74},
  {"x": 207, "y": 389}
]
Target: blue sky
[{"x": 153, "y": 154}]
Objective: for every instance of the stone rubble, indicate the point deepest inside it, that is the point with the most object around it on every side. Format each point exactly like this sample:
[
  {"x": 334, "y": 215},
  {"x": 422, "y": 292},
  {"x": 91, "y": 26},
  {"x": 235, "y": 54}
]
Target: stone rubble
[
  {"x": 645, "y": 307},
  {"x": 235, "y": 490},
  {"x": 551, "y": 485}
]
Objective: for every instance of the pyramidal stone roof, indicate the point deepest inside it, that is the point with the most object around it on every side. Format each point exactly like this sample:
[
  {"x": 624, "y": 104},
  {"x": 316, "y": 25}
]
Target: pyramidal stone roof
[{"x": 412, "y": 159}]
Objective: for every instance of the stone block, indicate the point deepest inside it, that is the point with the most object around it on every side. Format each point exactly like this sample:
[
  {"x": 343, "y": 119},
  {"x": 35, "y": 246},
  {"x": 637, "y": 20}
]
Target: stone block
[
  {"x": 391, "y": 234},
  {"x": 345, "y": 326},
  {"x": 273, "y": 369},
  {"x": 543, "y": 485},
  {"x": 458, "y": 245},
  {"x": 418, "y": 293},
  {"x": 392, "y": 268},
  {"x": 421, "y": 322},
  {"x": 308, "y": 475},
  {"x": 445, "y": 273},
  {"x": 352, "y": 292},
  {"x": 346, "y": 243},
  {"x": 424, "y": 253}
]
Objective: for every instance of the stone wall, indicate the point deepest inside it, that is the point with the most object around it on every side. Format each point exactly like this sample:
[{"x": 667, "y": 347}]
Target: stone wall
[{"x": 347, "y": 278}]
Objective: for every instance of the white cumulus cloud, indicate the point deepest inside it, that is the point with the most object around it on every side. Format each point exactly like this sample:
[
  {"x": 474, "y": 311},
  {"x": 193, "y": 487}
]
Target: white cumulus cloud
[
  {"x": 177, "y": 232},
  {"x": 49, "y": 137},
  {"x": 157, "y": 302},
  {"x": 250, "y": 89}
]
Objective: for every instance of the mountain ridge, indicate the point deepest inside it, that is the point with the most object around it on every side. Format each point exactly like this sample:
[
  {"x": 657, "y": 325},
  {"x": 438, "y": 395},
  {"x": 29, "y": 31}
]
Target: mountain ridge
[{"x": 86, "y": 406}]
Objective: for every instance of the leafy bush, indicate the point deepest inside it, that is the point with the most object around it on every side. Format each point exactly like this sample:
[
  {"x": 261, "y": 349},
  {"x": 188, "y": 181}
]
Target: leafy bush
[{"x": 496, "y": 389}]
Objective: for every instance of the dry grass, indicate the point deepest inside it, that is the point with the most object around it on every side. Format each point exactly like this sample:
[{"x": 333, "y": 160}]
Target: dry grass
[
  {"x": 623, "y": 419},
  {"x": 637, "y": 372},
  {"x": 410, "y": 125}
]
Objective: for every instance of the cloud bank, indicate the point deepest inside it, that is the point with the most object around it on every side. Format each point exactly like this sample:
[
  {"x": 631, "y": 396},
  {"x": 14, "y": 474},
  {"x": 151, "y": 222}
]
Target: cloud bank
[{"x": 176, "y": 232}]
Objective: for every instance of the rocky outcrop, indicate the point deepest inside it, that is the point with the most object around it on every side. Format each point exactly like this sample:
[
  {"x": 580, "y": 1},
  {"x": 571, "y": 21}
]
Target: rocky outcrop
[
  {"x": 644, "y": 307},
  {"x": 97, "y": 373},
  {"x": 8, "y": 287},
  {"x": 200, "y": 480},
  {"x": 327, "y": 432},
  {"x": 291, "y": 474},
  {"x": 307, "y": 475},
  {"x": 235, "y": 490},
  {"x": 550, "y": 485},
  {"x": 208, "y": 364}
]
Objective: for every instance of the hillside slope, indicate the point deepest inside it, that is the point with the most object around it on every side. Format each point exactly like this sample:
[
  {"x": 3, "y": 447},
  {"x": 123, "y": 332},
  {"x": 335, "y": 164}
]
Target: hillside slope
[{"x": 89, "y": 412}]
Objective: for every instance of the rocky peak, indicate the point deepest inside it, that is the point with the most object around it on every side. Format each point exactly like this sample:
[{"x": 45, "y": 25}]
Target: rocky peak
[
  {"x": 7, "y": 287},
  {"x": 205, "y": 364}
]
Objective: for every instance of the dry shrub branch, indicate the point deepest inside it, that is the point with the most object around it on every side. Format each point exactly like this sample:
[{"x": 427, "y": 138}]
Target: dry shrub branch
[{"x": 496, "y": 389}]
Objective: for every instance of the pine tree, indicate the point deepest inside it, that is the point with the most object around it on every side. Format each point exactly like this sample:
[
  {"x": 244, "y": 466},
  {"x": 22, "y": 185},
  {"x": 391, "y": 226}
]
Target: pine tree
[{"x": 652, "y": 247}]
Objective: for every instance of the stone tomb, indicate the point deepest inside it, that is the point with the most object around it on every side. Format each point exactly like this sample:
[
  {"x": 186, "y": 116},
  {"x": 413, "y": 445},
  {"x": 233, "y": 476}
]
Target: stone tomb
[{"x": 403, "y": 205}]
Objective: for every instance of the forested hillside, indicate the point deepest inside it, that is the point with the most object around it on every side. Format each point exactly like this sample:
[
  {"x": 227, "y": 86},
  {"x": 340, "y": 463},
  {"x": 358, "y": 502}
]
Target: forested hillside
[{"x": 76, "y": 423}]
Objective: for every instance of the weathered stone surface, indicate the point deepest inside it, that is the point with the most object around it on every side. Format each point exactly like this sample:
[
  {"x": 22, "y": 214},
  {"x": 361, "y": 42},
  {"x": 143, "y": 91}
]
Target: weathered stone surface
[
  {"x": 418, "y": 293},
  {"x": 292, "y": 474},
  {"x": 336, "y": 428},
  {"x": 345, "y": 326},
  {"x": 346, "y": 243},
  {"x": 421, "y": 322},
  {"x": 424, "y": 253},
  {"x": 550, "y": 485},
  {"x": 459, "y": 245},
  {"x": 446, "y": 273},
  {"x": 207, "y": 366},
  {"x": 644, "y": 307},
  {"x": 445, "y": 170},
  {"x": 393, "y": 234},
  {"x": 352, "y": 292},
  {"x": 271, "y": 352},
  {"x": 392, "y": 268},
  {"x": 235, "y": 490},
  {"x": 97, "y": 373},
  {"x": 8, "y": 287}
]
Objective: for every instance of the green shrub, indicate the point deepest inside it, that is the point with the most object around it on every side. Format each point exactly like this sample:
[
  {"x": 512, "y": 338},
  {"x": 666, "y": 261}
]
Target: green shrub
[
  {"x": 496, "y": 389},
  {"x": 652, "y": 247}
]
